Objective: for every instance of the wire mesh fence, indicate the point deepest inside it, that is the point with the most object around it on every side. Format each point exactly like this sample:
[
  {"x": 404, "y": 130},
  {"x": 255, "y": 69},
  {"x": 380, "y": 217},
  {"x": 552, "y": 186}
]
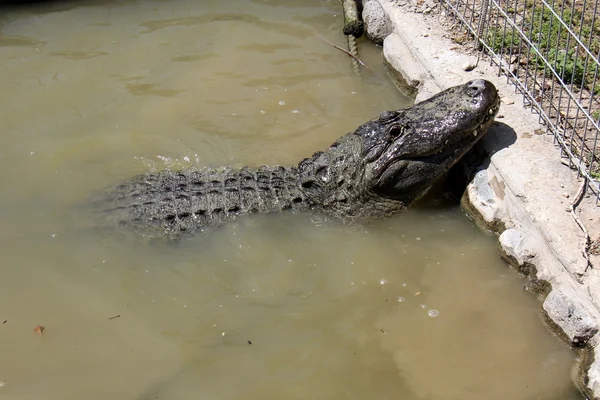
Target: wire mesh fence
[{"x": 550, "y": 51}]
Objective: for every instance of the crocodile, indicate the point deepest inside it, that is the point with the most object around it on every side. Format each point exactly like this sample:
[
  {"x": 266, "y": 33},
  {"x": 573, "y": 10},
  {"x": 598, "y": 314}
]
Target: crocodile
[{"x": 376, "y": 171}]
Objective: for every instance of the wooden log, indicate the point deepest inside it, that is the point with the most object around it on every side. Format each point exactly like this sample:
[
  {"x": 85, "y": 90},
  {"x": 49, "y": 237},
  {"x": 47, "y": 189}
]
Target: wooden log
[{"x": 352, "y": 22}]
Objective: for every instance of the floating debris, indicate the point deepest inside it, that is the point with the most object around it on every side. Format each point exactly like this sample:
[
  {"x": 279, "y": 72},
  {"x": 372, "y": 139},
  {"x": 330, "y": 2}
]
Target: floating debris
[{"x": 39, "y": 330}]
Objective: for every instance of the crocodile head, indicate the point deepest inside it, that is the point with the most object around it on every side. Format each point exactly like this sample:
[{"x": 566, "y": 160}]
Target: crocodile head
[{"x": 406, "y": 151}]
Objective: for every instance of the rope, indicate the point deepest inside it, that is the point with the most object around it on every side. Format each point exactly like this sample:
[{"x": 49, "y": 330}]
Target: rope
[
  {"x": 353, "y": 29},
  {"x": 354, "y": 51}
]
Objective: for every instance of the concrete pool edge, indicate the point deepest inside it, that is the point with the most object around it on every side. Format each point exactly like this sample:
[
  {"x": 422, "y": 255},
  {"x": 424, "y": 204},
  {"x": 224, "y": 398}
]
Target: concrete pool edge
[{"x": 523, "y": 193}]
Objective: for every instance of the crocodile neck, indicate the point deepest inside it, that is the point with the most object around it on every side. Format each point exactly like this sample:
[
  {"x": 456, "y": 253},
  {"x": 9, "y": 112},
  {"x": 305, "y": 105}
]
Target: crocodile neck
[{"x": 334, "y": 181}]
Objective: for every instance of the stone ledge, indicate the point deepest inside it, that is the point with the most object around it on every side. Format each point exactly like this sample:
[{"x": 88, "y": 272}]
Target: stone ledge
[{"x": 524, "y": 191}]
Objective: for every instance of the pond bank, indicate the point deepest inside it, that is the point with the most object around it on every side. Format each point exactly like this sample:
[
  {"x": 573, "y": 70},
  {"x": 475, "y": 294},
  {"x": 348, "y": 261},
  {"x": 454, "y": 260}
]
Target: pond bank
[{"x": 523, "y": 193}]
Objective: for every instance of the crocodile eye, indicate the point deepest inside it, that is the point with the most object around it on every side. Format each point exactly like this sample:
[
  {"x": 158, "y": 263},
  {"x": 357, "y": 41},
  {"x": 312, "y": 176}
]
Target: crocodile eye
[{"x": 396, "y": 130}]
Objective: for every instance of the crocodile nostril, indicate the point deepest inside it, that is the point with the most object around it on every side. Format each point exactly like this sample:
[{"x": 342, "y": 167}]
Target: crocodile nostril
[{"x": 477, "y": 86}]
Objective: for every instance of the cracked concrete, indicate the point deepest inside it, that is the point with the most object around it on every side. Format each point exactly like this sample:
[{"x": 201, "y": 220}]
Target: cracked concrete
[{"x": 523, "y": 193}]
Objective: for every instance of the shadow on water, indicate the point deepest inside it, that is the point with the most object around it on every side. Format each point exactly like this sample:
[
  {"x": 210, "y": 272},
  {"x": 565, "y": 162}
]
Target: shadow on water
[{"x": 40, "y": 6}]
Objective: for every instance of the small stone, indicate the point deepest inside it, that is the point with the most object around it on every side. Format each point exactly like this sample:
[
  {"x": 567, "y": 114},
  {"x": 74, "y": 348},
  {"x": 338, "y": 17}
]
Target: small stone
[
  {"x": 566, "y": 195},
  {"x": 426, "y": 35},
  {"x": 469, "y": 66},
  {"x": 507, "y": 101},
  {"x": 570, "y": 113}
]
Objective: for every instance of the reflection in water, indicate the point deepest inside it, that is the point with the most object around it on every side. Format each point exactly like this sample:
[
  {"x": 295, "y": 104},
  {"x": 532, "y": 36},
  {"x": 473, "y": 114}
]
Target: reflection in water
[
  {"x": 283, "y": 306},
  {"x": 15, "y": 41},
  {"x": 78, "y": 55}
]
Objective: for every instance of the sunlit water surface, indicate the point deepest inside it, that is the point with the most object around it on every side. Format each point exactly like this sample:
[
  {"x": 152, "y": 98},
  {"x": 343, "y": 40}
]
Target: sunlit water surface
[{"x": 277, "y": 307}]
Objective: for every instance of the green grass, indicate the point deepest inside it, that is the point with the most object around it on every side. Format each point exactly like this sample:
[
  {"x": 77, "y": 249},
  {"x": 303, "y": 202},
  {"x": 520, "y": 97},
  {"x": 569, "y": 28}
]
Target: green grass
[
  {"x": 553, "y": 40},
  {"x": 507, "y": 42},
  {"x": 542, "y": 27}
]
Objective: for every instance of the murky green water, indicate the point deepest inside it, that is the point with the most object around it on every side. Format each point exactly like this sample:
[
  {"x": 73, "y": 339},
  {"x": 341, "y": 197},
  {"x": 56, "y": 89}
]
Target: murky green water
[{"x": 274, "y": 307}]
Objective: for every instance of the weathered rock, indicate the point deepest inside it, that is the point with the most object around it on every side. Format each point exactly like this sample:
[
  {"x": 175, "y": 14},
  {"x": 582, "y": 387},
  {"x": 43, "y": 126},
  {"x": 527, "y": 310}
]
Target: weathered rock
[
  {"x": 482, "y": 201},
  {"x": 378, "y": 24},
  {"x": 593, "y": 376},
  {"x": 404, "y": 68},
  {"x": 515, "y": 245},
  {"x": 571, "y": 315}
]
